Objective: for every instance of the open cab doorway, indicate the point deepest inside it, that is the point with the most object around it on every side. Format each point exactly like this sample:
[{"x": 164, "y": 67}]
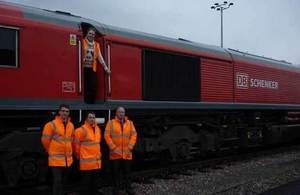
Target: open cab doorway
[{"x": 94, "y": 80}]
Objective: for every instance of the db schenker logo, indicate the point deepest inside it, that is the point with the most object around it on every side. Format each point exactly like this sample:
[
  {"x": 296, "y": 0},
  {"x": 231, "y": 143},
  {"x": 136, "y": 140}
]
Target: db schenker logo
[{"x": 242, "y": 80}]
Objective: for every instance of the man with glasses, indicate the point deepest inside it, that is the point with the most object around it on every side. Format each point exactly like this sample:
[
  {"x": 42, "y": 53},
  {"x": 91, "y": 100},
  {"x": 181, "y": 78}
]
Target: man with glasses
[{"x": 57, "y": 141}]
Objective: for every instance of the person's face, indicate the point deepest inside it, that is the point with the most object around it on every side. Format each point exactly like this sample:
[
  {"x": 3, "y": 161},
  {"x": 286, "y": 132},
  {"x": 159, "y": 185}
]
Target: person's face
[
  {"x": 91, "y": 35},
  {"x": 91, "y": 118},
  {"x": 64, "y": 113},
  {"x": 120, "y": 113}
]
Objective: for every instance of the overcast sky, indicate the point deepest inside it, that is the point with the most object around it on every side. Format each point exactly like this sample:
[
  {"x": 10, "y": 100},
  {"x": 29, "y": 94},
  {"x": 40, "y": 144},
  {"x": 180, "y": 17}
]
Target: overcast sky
[{"x": 270, "y": 28}]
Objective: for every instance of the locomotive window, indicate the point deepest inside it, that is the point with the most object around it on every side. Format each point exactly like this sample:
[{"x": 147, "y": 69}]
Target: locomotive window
[{"x": 8, "y": 47}]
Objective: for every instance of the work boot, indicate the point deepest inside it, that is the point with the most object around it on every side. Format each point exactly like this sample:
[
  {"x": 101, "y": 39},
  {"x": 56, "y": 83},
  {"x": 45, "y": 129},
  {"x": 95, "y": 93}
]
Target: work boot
[
  {"x": 130, "y": 191},
  {"x": 116, "y": 192}
]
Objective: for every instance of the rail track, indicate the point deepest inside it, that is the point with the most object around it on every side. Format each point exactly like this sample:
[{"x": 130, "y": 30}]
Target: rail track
[
  {"x": 165, "y": 171},
  {"x": 211, "y": 162}
]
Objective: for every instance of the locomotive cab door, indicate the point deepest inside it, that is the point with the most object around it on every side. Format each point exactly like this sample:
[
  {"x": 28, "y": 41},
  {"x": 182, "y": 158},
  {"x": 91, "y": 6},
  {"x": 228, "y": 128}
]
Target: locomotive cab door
[{"x": 93, "y": 83}]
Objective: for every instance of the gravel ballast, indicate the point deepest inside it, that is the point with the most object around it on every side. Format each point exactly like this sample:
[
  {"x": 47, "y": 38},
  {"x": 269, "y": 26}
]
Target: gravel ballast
[{"x": 248, "y": 177}]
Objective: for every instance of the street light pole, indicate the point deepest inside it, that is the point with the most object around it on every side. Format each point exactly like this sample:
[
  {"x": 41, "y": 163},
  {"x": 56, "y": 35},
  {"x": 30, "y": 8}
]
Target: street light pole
[
  {"x": 222, "y": 27},
  {"x": 221, "y": 8}
]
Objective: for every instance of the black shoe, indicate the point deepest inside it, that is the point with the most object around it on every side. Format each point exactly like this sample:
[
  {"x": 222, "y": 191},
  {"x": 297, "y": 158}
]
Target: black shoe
[
  {"x": 116, "y": 192},
  {"x": 130, "y": 191}
]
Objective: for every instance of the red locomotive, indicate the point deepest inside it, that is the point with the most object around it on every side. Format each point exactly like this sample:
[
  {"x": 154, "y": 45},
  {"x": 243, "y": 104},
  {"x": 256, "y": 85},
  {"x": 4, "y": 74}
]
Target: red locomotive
[{"x": 186, "y": 98}]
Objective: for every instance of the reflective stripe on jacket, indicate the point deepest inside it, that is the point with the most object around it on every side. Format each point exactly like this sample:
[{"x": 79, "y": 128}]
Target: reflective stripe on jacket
[
  {"x": 96, "y": 52},
  {"x": 120, "y": 140},
  {"x": 57, "y": 141},
  {"x": 87, "y": 146}
]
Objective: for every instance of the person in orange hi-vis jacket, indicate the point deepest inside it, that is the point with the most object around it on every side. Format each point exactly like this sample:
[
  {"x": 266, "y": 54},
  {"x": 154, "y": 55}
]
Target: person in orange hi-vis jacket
[
  {"x": 57, "y": 140},
  {"x": 120, "y": 136},
  {"x": 87, "y": 150},
  {"x": 91, "y": 56}
]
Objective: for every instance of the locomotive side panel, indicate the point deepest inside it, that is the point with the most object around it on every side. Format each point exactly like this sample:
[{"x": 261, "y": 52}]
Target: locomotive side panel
[
  {"x": 47, "y": 66},
  {"x": 257, "y": 83},
  {"x": 126, "y": 72},
  {"x": 216, "y": 80}
]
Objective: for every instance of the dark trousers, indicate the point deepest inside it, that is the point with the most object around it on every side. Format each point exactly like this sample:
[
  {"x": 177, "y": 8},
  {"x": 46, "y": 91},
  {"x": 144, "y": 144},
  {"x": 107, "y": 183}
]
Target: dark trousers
[
  {"x": 121, "y": 174},
  {"x": 59, "y": 178},
  {"x": 89, "y": 182},
  {"x": 90, "y": 85}
]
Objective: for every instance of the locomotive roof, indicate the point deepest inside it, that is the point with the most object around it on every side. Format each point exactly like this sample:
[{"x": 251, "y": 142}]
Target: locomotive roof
[
  {"x": 73, "y": 21},
  {"x": 247, "y": 57}
]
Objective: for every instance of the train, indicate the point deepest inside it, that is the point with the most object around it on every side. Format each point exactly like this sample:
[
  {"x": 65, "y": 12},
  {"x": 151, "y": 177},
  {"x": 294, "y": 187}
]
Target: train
[{"x": 185, "y": 98}]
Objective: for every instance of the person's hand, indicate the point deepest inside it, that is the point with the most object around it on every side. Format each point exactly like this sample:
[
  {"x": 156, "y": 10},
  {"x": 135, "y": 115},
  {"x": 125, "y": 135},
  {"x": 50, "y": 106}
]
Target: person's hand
[
  {"x": 130, "y": 147},
  {"x": 117, "y": 151},
  {"x": 107, "y": 69}
]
